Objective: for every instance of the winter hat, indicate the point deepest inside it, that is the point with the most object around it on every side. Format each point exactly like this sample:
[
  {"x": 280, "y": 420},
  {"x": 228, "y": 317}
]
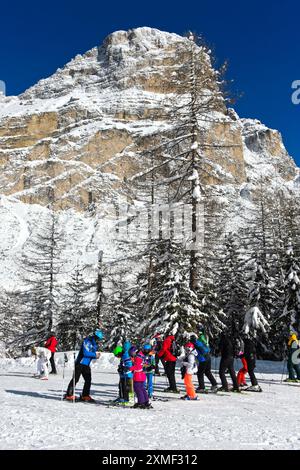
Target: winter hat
[
  {"x": 189, "y": 346},
  {"x": 132, "y": 350},
  {"x": 99, "y": 334},
  {"x": 118, "y": 350},
  {"x": 292, "y": 338}
]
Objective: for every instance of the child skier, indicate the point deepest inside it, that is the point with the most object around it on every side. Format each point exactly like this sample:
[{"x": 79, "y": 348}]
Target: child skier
[
  {"x": 156, "y": 343},
  {"x": 189, "y": 367},
  {"x": 126, "y": 395},
  {"x": 42, "y": 355},
  {"x": 241, "y": 376},
  {"x": 139, "y": 378},
  {"x": 149, "y": 367}
]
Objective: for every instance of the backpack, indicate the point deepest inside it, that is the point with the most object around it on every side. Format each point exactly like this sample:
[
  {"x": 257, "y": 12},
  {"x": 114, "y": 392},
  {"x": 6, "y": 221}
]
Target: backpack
[
  {"x": 175, "y": 349},
  {"x": 202, "y": 348}
]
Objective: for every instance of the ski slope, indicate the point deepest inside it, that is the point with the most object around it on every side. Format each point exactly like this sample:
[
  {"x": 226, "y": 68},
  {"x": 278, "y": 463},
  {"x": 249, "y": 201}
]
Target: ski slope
[{"x": 34, "y": 416}]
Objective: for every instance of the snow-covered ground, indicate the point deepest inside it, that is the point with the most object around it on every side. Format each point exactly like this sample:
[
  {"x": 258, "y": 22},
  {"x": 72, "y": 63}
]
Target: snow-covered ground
[{"x": 33, "y": 416}]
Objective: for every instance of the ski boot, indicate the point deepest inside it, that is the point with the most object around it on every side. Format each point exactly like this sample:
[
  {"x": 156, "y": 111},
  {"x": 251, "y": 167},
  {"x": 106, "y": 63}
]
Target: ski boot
[
  {"x": 189, "y": 398},
  {"x": 44, "y": 378},
  {"x": 290, "y": 380},
  {"x": 201, "y": 390},
  {"x": 214, "y": 389},
  {"x": 254, "y": 388},
  {"x": 221, "y": 389},
  {"x": 146, "y": 406},
  {"x": 87, "y": 399},
  {"x": 137, "y": 405},
  {"x": 69, "y": 397}
]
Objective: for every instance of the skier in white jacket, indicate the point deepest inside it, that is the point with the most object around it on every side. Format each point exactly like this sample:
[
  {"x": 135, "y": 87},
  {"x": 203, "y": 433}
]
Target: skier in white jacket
[
  {"x": 42, "y": 355},
  {"x": 189, "y": 367}
]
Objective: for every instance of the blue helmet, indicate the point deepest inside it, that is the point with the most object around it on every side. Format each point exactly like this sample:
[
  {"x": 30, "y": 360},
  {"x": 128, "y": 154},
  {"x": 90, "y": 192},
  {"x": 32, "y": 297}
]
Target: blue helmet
[
  {"x": 147, "y": 347},
  {"x": 99, "y": 334}
]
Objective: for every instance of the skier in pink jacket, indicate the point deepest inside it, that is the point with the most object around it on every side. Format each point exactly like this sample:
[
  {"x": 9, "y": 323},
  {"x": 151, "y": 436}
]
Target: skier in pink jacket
[{"x": 139, "y": 378}]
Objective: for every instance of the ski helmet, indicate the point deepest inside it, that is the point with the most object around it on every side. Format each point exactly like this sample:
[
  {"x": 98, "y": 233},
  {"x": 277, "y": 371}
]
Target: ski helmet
[
  {"x": 98, "y": 334},
  {"x": 132, "y": 350},
  {"x": 118, "y": 350},
  {"x": 189, "y": 347},
  {"x": 147, "y": 347}
]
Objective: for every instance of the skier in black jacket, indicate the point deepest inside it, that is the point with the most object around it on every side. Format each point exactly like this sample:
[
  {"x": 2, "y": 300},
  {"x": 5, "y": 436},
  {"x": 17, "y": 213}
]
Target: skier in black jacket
[
  {"x": 250, "y": 356},
  {"x": 227, "y": 363}
]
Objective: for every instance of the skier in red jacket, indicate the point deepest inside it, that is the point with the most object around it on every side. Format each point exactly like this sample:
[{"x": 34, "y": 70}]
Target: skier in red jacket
[
  {"x": 166, "y": 353},
  {"x": 51, "y": 344}
]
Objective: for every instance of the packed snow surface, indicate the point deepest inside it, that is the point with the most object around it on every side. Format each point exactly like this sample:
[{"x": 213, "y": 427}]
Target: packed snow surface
[{"x": 34, "y": 416}]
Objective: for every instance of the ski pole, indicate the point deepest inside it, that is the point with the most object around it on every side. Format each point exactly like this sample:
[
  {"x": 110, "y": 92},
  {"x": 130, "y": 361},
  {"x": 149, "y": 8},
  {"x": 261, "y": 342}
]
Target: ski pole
[
  {"x": 283, "y": 369},
  {"x": 74, "y": 383},
  {"x": 63, "y": 380}
]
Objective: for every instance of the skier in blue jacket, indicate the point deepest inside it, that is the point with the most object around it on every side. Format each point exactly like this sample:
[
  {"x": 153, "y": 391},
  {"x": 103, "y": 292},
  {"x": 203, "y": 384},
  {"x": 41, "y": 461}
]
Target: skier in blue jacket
[
  {"x": 88, "y": 352},
  {"x": 204, "y": 362}
]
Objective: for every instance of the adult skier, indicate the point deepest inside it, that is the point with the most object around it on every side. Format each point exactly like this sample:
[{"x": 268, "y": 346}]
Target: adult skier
[
  {"x": 43, "y": 356},
  {"x": 168, "y": 354},
  {"x": 293, "y": 367},
  {"x": 51, "y": 344},
  {"x": 88, "y": 352},
  {"x": 250, "y": 356},
  {"x": 204, "y": 361},
  {"x": 189, "y": 367},
  {"x": 227, "y": 363}
]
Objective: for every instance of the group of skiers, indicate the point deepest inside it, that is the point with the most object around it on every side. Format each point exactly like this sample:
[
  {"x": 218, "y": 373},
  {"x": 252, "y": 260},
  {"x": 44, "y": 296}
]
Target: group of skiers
[{"x": 139, "y": 365}]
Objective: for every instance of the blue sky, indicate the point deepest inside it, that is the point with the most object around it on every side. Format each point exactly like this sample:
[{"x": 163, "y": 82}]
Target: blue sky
[{"x": 260, "y": 39}]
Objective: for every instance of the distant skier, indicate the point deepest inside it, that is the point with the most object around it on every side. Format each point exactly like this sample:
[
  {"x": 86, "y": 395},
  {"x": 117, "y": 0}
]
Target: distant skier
[
  {"x": 189, "y": 367},
  {"x": 51, "y": 344},
  {"x": 227, "y": 363},
  {"x": 149, "y": 367},
  {"x": 43, "y": 356},
  {"x": 169, "y": 353},
  {"x": 139, "y": 378},
  {"x": 293, "y": 368},
  {"x": 126, "y": 394},
  {"x": 88, "y": 352},
  {"x": 204, "y": 361}
]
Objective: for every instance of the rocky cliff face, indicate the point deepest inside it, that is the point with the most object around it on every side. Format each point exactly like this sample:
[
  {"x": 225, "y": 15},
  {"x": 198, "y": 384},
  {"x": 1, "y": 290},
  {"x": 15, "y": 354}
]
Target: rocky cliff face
[
  {"x": 75, "y": 138},
  {"x": 76, "y": 135}
]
